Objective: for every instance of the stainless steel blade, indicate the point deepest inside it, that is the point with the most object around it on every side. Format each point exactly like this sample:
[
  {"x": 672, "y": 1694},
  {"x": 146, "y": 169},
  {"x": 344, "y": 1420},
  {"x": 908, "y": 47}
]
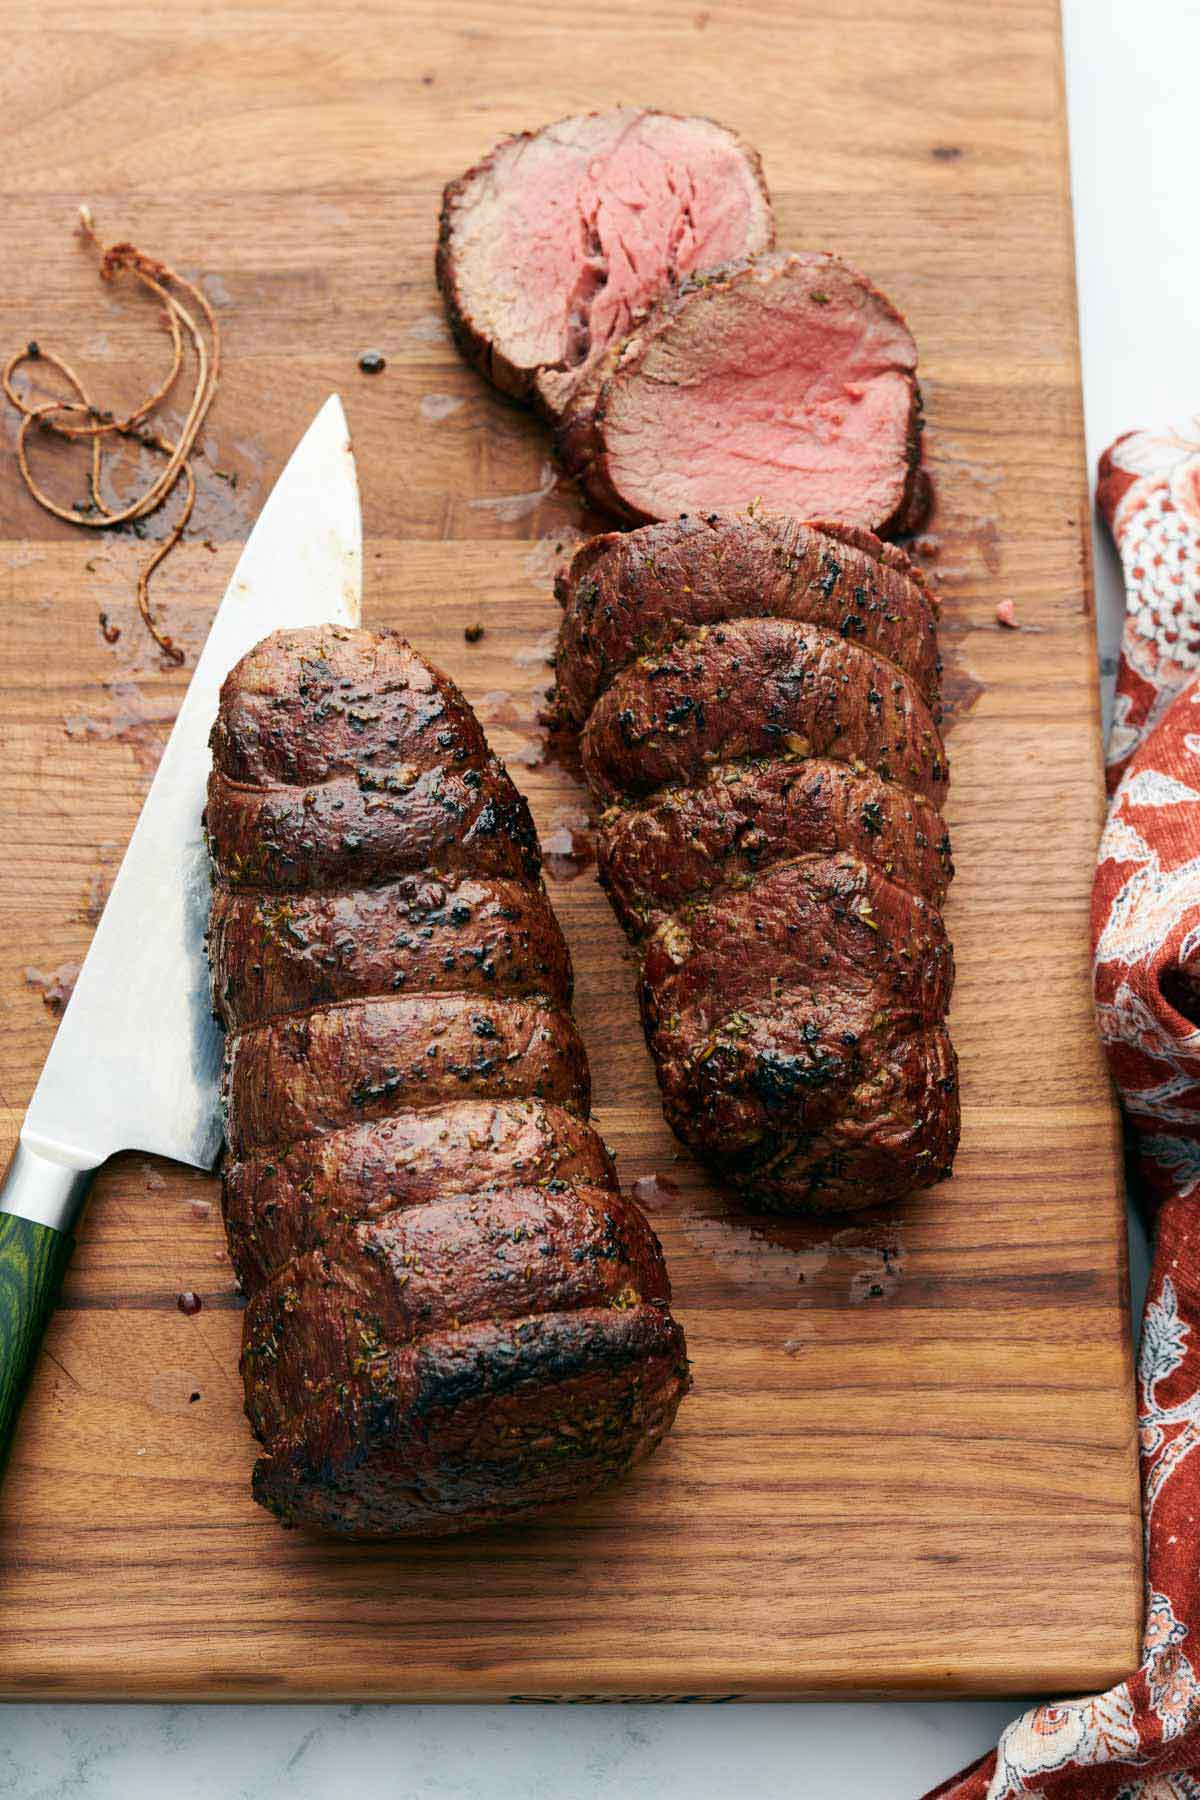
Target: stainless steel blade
[{"x": 134, "y": 1064}]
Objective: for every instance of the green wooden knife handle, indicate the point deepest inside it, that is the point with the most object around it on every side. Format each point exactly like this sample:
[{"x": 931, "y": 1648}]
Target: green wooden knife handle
[
  {"x": 33, "y": 1258},
  {"x": 39, "y": 1201}
]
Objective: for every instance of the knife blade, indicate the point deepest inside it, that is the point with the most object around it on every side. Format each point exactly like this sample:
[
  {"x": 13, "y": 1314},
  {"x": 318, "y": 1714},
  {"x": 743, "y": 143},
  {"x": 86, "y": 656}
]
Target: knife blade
[{"x": 136, "y": 1059}]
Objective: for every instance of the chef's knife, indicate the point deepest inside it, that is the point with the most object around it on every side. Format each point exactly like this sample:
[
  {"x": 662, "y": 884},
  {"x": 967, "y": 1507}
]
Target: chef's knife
[{"x": 135, "y": 1062}]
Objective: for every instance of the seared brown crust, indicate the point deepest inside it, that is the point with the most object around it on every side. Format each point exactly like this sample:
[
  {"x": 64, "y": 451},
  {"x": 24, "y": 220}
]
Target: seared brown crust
[
  {"x": 634, "y": 594},
  {"x": 330, "y": 833},
  {"x": 444, "y": 1279},
  {"x": 859, "y": 967},
  {"x": 331, "y": 769},
  {"x": 279, "y": 1204},
  {"x": 362, "y": 1059},
  {"x": 898, "y": 1130},
  {"x": 581, "y": 439},
  {"x": 321, "y": 702},
  {"x": 759, "y": 688},
  {"x": 475, "y": 337},
  {"x": 739, "y": 818},
  {"x": 772, "y": 841},
  {"x": 274, "y": 953},
  {"x": 492, "y": 1423}
]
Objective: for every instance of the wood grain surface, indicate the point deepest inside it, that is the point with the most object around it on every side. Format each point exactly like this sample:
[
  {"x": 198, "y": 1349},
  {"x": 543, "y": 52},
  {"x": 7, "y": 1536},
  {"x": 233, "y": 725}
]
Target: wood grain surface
[{"x": 908, "y": 1464}]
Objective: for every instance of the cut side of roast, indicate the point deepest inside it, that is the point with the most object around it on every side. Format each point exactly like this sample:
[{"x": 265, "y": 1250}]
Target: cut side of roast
[
  {"x": 789, "y": 383},
  {"x": 556, "y": 243},
  {"x": 453, "y": 1317}
]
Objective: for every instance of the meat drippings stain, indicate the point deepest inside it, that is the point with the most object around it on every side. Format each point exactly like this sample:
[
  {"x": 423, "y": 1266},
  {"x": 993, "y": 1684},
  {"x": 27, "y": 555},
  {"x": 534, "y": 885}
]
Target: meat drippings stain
[
  {"x": 436, "y": 407},
  {"x": 798, "y": 1259},
  {"x": 98, "y": 890},
  {"x": 987, "y": 542},
  {"x": 943, "y": 557},
  {"x": 497, "y": 707},
  {"x": 550, "y": 555},
  {"x": 966, "y": 545},
  {"x": 56, "y": 987},
  {"x": 568, "y": 844},
  {"x": 543, "y": 738},
  {"x": 509, "y": 509},
  {"x": 430, "y": 328},
  {"x": 172, "y": 1390},
  {"x": 130, "y": 720},
  {"x": 961, "y": 692},
  {"x": 883, "y": 1258},
  {"x": 100, "y": 884},
  {"x": 216, "y": 290},
  {"x": 652, "y": 1190},
  {"x": 539, "y": 654},
  {"x": 532, "y": 753},
  {"x": 561, "y": 739}
]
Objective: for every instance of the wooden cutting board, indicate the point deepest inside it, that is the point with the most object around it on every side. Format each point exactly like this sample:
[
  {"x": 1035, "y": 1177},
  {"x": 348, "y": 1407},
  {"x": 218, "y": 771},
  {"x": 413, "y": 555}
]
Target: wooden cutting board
[{"x": 908, "y": 1464}]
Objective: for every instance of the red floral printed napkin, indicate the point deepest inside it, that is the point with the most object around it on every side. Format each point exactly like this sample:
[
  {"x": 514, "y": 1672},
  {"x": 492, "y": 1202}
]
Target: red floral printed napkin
[{"x": 1141, "y": 1740}]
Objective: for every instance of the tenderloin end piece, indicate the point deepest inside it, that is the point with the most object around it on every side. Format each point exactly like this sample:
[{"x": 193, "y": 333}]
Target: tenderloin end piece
[{"x": 491, "y": 1424}]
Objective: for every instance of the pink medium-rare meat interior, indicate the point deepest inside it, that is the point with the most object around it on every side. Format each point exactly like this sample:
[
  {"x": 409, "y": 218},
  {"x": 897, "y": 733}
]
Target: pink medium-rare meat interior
[
  {"x": 566, "y": 236},
  {"x": 791, "y": 383}
]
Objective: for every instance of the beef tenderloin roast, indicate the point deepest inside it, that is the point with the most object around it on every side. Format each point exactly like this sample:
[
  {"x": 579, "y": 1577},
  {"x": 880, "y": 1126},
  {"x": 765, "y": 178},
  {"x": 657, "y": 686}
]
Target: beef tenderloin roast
[
  {"x": 759, "y": 703},
  {"x": 453, "y": 1317}
]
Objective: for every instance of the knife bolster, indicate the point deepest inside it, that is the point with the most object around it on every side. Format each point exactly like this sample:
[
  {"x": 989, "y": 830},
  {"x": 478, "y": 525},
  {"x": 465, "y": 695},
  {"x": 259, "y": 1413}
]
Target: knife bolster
[{"x": 46, "y": 1192}]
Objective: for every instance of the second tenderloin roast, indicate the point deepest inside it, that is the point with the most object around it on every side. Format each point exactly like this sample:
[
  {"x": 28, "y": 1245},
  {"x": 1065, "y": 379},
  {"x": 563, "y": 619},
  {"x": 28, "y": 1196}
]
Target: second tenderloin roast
[{"x": 760, "y": 710}]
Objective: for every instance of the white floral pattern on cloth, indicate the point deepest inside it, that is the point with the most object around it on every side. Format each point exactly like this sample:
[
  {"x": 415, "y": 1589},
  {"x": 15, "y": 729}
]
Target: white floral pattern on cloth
[
  {"x": 1141, "y": 1739},
  {"x": 1149, "y": 492}
]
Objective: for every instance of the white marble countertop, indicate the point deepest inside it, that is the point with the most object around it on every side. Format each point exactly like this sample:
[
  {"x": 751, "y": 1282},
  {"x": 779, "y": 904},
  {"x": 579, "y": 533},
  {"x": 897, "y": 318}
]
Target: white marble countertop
[{"x": 1132, "y": 68}]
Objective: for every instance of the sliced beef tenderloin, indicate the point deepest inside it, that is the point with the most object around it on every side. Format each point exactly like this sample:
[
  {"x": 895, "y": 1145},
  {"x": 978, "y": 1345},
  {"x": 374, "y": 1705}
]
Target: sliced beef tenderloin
[
  {"x": 454, "y": 1318},
  {"x": 771, "y": 840},
  {"x": 789, "y": 381},
  {"x": 553, "y": 245},
  {"x": 630, "y": 594}
]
